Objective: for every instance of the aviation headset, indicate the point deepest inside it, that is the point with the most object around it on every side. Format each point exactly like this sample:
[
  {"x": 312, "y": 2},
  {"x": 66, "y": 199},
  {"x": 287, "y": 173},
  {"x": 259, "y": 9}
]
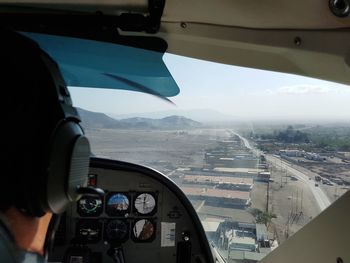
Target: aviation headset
[{"x": 61, "y": 168}]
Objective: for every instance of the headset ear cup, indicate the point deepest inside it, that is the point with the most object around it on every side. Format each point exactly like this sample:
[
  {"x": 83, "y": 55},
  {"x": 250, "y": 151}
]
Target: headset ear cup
[{"x": 68, "y": 167}]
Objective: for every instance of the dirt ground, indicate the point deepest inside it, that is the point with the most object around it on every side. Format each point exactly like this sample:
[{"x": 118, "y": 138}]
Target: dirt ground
[
  {"x": 289, "y": 199},
  {"x": 335, "y": 191},
  {"x": 162, "y": 150}
]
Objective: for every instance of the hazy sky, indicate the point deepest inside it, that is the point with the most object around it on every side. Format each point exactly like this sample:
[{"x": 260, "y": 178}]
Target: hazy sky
[{"x": 242, "y": 92}]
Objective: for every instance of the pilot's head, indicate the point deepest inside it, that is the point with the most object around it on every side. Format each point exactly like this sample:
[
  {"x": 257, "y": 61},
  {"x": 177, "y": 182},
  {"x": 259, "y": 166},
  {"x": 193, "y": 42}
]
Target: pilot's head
[{"x": 44, "y": 154}]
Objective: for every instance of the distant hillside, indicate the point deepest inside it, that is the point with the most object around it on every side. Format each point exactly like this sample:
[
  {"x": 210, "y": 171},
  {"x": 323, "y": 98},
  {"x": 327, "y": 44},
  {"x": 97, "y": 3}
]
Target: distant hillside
[
  {"x": 99, "y": 120},
  {"x": 178, "y": 121},
  {"x": 201, "y": 115}
]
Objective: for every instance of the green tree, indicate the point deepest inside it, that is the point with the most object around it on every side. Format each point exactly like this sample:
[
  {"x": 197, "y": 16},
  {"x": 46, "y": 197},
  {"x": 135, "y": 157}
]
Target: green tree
[{"x": 263, "y": 217}]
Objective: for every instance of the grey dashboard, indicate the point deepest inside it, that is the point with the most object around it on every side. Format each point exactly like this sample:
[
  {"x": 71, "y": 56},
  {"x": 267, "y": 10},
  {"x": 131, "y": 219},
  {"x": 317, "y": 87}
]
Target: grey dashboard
[{"x": 142, "y": 217}]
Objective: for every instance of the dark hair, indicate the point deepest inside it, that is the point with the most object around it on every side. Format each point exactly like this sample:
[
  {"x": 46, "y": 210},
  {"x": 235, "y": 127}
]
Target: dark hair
[{"x": 27, "y": 116}]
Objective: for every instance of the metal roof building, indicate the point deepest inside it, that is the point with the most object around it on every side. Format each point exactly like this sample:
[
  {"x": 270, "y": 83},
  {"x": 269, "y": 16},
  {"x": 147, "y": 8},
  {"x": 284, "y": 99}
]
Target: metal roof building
[
  {"x": 219, "y": 196},
  {"x": 233, "y": 183}
]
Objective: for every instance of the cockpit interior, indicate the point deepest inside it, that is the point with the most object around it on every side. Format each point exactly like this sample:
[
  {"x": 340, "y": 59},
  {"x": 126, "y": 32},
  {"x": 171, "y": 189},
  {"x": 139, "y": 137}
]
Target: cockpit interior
[
  {"x": 113, "y": 211},
  {"x": 142, "y": 217}
]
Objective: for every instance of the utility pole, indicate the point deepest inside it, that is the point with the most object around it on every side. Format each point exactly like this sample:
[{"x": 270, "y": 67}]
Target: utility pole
[
  {"x": 267, "y": 196},
  {"x": 292, "y": 210},
  {"x": 286, "y": 176},
  {"x": 281, "y": 179},
  {"x": 296, "y": 203},
  {"x": 301, "y": 202}
]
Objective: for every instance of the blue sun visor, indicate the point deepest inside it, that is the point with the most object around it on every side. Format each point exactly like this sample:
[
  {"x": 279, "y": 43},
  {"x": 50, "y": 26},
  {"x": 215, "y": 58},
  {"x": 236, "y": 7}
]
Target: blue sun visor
[{"x": 95, "y": 64}]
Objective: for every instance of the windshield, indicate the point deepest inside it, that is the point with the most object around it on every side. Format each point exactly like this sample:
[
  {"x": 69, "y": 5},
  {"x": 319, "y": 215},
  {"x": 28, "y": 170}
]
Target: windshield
[{"x": 258, "y": 153}]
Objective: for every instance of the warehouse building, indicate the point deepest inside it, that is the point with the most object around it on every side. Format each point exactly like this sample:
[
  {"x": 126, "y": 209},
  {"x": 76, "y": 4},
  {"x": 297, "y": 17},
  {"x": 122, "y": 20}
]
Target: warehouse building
[
  {"x": 221, "y": 182},
  {"x": 244, "y": 242},
  {"x": 219, "y": 197}
]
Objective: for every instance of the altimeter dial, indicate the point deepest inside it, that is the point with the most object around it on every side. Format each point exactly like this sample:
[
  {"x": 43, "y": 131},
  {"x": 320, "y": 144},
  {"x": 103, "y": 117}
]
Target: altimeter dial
[{"x": 145, "y": 203}]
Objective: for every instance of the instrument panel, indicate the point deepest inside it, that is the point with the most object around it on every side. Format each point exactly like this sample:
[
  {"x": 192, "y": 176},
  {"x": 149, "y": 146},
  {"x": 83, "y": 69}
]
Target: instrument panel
[
  {"x": 138, "y": 219},
  {"x": 120, "y": 216}
]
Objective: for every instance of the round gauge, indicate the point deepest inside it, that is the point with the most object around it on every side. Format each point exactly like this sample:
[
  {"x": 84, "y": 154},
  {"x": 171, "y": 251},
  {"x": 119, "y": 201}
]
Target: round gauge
[
  {"x": 143, "y": 230},
  {"x": 116, "y": 230},
  {"x": 117, "y": 204},
  {"x": 88, "y": 231},
  {"x": 89, "y": 206},
  {"x": 145, "y": 203}
]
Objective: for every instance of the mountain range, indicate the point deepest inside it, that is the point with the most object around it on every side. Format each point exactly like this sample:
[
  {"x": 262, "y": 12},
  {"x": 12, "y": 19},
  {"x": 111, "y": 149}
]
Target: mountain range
[
  {"x": 200, "y": 115},
  {"x": 100, "y": 120}
]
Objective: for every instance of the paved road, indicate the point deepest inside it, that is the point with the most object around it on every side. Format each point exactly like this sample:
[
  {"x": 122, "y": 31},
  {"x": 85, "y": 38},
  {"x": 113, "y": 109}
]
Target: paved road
[
  {"x": 245, "y": 141},
  {"x": 321, "y": 198}
]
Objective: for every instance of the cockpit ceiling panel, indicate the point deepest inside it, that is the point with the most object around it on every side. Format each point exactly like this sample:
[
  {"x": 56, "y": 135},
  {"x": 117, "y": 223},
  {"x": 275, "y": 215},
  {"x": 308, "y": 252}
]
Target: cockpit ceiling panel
[{"x": 283, "y": 14}]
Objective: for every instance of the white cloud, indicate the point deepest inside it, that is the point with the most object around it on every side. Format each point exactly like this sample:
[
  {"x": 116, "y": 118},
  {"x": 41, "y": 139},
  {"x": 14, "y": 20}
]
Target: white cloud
[
  {"x": 305, "y": 89},
  {"x": 309, "y": 89}
]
